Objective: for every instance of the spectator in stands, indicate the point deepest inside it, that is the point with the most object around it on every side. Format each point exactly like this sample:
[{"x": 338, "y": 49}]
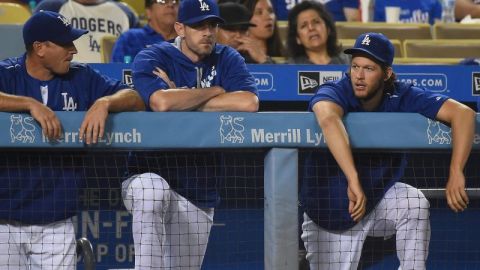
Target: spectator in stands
[
  {"x": 312, "y": 36},
  {"x": 264, "y": 36},
  {"x": 191, "y": 74},
  {"x": 341, "y": 10},
  {"x": 467, "y": 7},
  {"x": 234, "y": 32},
  {"x": 161, "y": 15},
  {"x": 100, "y": 17},
  {"x": 38, "y": 198},
  {"x": 421, "y": 11},
  {"x": 363, "y": 195}
]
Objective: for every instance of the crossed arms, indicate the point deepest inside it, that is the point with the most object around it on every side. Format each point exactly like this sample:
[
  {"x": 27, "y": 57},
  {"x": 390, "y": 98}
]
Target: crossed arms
[{"x": 205, "y": 99}]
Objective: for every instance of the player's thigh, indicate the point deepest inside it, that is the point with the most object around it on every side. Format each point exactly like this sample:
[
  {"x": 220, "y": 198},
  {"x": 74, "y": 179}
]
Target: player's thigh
[
  {"x": 53, "y": 246},
  {"x": 400, "y": 202},
  {"x": 12, "y": 252},
  {"x": 147, "y": 191}
]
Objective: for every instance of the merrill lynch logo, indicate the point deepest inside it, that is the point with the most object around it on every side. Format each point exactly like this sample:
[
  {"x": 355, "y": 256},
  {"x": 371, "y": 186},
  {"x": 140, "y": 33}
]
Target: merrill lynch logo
[
  {"x": 231, "y": 129},
  {"x": 22, "y": 129},
  {"x": 438, "y": 133}
]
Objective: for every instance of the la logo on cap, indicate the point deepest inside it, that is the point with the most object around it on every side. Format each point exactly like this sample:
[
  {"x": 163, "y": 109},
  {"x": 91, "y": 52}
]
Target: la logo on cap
[
  {"x": 366, "y": 40},
  {"x": 64, "y": 20},
  {"x": 204, "y": 6}
]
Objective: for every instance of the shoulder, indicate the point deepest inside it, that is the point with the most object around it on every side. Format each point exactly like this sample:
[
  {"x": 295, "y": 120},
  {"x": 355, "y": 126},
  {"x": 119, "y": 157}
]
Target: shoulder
[
  {"x": 11, "y": 65},
  {"x": 51, "y": 5}
]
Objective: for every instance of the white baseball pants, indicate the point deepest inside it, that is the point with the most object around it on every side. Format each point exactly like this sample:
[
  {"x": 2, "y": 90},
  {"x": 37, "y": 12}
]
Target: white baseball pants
[
  {"x": 169, "y": 232},
  {"x": 38, "y": 247},
  {"x": 403, "y": 211}
]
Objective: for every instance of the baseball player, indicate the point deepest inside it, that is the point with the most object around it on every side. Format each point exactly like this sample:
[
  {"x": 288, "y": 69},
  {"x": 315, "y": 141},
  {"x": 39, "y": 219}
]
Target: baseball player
[
  {"x": 363, "y": 195},
  {"x": 172, "y": 216},
  {"x": 38, "y": 191},
  {"x": 100, "y": 17}
]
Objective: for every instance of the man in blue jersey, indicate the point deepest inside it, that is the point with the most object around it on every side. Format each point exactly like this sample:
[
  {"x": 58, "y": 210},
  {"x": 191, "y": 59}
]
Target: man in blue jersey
[
  {"x": 172, "y": 217},
  {"x": 363, "y": 195},
  {"x": 161, "y": 16},
  {"x": 38, "y": 191}
]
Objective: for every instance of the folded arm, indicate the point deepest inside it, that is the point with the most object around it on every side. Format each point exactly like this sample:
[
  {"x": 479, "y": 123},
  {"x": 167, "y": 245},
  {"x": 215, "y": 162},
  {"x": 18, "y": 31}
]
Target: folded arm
[
  {"x": 93, "y": 125},
  {"x": 462, "y": 121},
  {"x": 51, "y": 126},
  {"x": 239, "y": 101}
]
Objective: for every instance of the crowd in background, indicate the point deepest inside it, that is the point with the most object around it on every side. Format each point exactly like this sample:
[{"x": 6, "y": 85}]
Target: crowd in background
[{"x": 251, "y": 25}]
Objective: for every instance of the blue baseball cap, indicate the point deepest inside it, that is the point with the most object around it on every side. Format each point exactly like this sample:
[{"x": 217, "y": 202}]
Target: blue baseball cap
[
  {"x": 50, "y": 26},
  {"x": 375, "y": 45},
  {"x": 195, "y": 11}
]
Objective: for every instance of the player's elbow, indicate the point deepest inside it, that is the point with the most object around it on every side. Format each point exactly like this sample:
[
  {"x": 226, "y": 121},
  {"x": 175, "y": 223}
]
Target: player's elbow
[
  {"x": 250, "y": 104},
  {"x": 159, "y": 103}
]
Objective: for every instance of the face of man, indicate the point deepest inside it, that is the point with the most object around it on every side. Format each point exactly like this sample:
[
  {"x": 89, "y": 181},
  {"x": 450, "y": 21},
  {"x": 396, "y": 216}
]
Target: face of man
[
  {"x": 230, "y": 37},
  {"x": 163, "y": 13},
  {"x": 368, "y": 79},
  {"x": 55, "y": 58},
  {"x": 198, "y": 39}
]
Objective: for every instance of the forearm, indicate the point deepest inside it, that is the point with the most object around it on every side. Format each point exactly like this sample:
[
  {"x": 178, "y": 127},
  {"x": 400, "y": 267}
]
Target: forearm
[
  {"x": 466, "y": 7},
  {"x": 123, "y": 100},
  {"x": 329, "y": 117},
  {"x": 463, "y": 127},
  {"x": 182, "y": 99},
  {"x": 12, "y": 103},
  {"x": 239, "y": 101}
]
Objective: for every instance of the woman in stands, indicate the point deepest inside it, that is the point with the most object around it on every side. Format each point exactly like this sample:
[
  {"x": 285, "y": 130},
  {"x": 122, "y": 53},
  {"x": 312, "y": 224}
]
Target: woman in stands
[
  {"x": 263, "y": 41},
  {"x": 312, "y": 36}
]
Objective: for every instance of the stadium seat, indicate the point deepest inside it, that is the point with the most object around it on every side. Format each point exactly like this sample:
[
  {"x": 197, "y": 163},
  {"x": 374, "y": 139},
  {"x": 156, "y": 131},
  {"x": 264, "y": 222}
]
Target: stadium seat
[
  {"x": 137, "y": 6},
  {"x": 400, "y": 31},
  {"x": 106, "y": 45},
  {"x": 12, "y": 40},
  {"x": 456, "y": 31},
  {"x": 426, "y": 61},
  {"x": 348, "y": 43},
  {"x": 283, "y": 31},
  {"x": 442, "y": 48},
  {"x": 11, "y": 13}
]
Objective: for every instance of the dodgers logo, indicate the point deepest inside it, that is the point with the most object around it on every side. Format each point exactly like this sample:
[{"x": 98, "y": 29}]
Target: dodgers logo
[
  {"x": 204, "y": 6},
  {"x": 22, "y": 129},
  {"x": 207, "y": 82},
  {"x": 231, "y": 129},
  {"x": 438, "y": 133}
]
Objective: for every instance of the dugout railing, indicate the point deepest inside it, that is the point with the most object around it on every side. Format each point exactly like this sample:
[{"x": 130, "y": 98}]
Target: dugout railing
[{"x": 282, "y": 136}]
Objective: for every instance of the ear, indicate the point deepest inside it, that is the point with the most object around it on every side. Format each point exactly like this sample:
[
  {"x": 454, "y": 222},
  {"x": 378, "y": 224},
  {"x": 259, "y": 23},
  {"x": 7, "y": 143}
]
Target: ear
[
  {"x": 180, "y": 29},
  {"x": 388, "y": 74},
  {"x": 39, "y": 48}
]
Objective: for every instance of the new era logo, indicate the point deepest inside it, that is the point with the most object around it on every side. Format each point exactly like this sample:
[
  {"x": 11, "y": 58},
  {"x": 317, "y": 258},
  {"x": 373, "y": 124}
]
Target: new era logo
[
  {"x": 476, "y": 83},
  {"x": 308, "y": 82}
]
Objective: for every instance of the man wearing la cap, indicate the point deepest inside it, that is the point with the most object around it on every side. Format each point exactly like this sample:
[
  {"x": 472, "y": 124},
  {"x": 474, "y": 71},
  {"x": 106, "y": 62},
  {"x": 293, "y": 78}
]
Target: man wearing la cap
[
  {"x": 37, "y": 198},
  {"x": 363, "y": 195},
  {"x": 172, "y": 216}
]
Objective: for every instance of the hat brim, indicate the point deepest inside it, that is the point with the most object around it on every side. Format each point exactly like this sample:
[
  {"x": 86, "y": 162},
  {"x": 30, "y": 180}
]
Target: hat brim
[
  {"x": 203, "y": 18},
  {"x": 73, "y": 35},
  {"x": 239, "y": 25},
  {"x": 352, "y": 51}
]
